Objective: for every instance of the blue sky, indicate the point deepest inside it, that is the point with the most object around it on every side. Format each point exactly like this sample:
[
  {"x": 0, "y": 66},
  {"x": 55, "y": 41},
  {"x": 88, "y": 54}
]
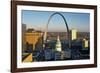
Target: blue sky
[{"x": 38, "y": 20}]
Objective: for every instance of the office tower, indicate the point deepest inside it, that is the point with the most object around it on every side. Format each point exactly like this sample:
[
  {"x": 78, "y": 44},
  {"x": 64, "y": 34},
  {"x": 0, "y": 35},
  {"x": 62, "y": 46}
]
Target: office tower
[
  {"x": 74, "y": 34},
  {"x": 57, "y": 56},
  {"x": 86, "y": 43},
  {"x": 58, "y": 44},
  {"x": 34, "y": 39},
  {"x": 23, "y": 36},
  {"x": 48, "y": 54}
]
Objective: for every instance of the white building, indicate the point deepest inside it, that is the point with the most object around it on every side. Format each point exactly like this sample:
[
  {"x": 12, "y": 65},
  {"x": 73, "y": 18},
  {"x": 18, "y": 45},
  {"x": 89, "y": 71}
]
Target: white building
[
  {"x": 58, "y": 45},
  {"x": 86, "y": 43},
  {"x": 74, "y": 34}
]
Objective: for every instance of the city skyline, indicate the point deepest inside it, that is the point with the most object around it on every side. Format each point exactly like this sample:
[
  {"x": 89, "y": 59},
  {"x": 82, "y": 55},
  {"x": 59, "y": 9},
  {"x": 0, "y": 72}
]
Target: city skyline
[
  {"x": 54, "y": 46},
  {"x": 38, "y": 20}
]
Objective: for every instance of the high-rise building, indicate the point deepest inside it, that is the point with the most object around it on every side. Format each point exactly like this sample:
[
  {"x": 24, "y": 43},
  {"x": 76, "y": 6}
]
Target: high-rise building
[
  {"x": 57, "y": 55},
  {"x": 86, "y": 43},
  {"x": 48, "y": 54},
  {"x": 58, "y": 44},
  {"x": 74, "y": 34},
  {"x": 34, "y": 38},
  {"x": 23, "y": 36}
]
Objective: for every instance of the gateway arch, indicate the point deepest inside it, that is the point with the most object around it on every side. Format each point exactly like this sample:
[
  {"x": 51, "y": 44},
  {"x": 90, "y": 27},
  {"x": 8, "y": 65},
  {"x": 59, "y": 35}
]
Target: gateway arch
[{"x": 68, "y": 31}]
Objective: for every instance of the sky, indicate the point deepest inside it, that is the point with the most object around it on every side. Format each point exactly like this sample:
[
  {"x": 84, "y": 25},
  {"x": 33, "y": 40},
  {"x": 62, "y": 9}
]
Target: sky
[{"x": 39, "y": 19}]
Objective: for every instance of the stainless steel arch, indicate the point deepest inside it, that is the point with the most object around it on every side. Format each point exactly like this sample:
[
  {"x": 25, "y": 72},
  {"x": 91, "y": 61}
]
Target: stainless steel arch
[{"x": 45, "y": 35}]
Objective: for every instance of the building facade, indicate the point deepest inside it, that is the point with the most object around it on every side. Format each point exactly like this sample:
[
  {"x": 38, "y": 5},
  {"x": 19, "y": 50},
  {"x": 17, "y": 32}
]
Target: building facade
[
  {"x": 34, "y": 38},
  {"x": 73, "y": 34},
  {"x": 23, "y": 36}
]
